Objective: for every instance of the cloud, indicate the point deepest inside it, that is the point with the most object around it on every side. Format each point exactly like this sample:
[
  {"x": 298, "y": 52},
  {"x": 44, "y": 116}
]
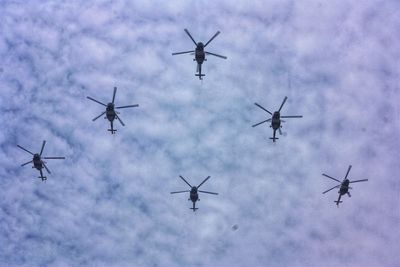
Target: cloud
[{"x": 108, "y": 203}]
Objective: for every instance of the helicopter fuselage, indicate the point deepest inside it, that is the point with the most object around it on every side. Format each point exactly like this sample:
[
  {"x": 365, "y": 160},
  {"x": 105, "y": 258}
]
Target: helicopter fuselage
[
  {"x": 276, "y": 120},
  {"x": 194, "y": 196},
  {"x": 37, "y": 162},
  {"x": 344, "y": 188},
  {"x": 110, "y": 112},
  {"x": 199, "y": 53}
]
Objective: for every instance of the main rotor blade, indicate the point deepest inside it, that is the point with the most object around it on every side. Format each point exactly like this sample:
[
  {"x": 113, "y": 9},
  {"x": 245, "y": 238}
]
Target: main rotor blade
[
  {"x": 213, "y": 54},
  {"x": 299, "y": 116},
  {"x": 348, "y": 170},
  {"x": 185, "y": 180},
  {"x": 129, "y": 106},
  {"x": 177, "y": 192},
  {"x": 120, "y": 120},
  {"x": 25, "y": 149},
  {"x": 207, "y": 192},
  {"x": 212, "y": 38},
  {"x": 260, "y": 123},
  {"x": 98, "y": 102},
  {"x": 190, "y": 36},
  {"x": 331, "y": 177},
  {"x": 356, "y": 181},
  {"x": 258, "y": 105},
  {"x": 46, "y": 167},
  {"x": 115, "y": 91},
  {"x": 331, "y": 189},
  {"x": 284, "y": 100},
  {"x": 54, "y": 157},
  {"x": 179, "y": 53},
  {"x": 22, "y": 165},
  {"x": 208, "y": 177},
  {"x": 99, "y": 116},
  {"x": 44, "y": 143}
]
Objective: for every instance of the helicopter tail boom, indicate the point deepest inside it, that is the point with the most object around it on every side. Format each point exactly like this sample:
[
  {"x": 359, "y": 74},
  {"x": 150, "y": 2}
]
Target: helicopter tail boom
[
  {"x": 194, "y": 207},
  {"x": 274, "y": 136},
  {"x": 338, "y": 201},
  {"x": 44, "y": 178},
  {"x": 199, "y": 74},
  {"x": 112, "y": 130}
]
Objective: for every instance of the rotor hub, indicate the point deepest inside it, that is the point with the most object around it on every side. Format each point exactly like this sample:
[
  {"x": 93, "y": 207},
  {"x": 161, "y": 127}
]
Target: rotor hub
[{"x": 110, "y": 106}]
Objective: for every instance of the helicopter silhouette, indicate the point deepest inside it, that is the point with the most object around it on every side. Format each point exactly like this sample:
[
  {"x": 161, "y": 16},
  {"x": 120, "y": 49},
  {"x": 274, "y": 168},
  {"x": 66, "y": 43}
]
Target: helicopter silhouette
[
  {"x": 199, "y": 53},
  {"x": 194, "y": 196},
  {"x": 110, "y": 112},
  {"x": 343, "y": 187},
  {"x": 275, "y": 120},
  {"x": 37, "y": 161}
]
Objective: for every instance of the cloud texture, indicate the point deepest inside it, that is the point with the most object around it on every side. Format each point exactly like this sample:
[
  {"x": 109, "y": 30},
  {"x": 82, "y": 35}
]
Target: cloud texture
[{"x": 108, "y": 203}]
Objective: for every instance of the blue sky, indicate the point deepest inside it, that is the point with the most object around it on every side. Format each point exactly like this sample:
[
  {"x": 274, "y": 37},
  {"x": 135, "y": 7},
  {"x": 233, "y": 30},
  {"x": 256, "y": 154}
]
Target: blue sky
[{"x": 108, "y": 203}]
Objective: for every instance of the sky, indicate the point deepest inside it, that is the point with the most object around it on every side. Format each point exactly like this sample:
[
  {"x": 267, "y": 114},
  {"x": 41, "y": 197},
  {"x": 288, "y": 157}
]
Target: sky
[{"x": 109, "y": 203}]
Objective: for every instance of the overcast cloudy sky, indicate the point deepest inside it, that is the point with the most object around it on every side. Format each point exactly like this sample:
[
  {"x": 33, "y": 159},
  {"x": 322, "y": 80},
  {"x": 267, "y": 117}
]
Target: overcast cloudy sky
[{"x": 108, "y": 203}]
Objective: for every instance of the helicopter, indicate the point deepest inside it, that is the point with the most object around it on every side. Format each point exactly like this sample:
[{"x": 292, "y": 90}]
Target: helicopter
[
  {"x": 194, "y": 196},
  {"x": 200, "y": 54},
  {"x": 343, "y": 187},
  {"x": 37, "y": 161},
  {"x": 110, "y": 112},
  {"x": 275, "y": 120}
]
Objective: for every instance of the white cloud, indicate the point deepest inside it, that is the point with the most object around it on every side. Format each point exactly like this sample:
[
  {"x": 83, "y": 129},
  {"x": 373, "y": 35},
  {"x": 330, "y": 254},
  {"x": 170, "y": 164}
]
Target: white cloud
[{"x": 108, "y": 203}]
